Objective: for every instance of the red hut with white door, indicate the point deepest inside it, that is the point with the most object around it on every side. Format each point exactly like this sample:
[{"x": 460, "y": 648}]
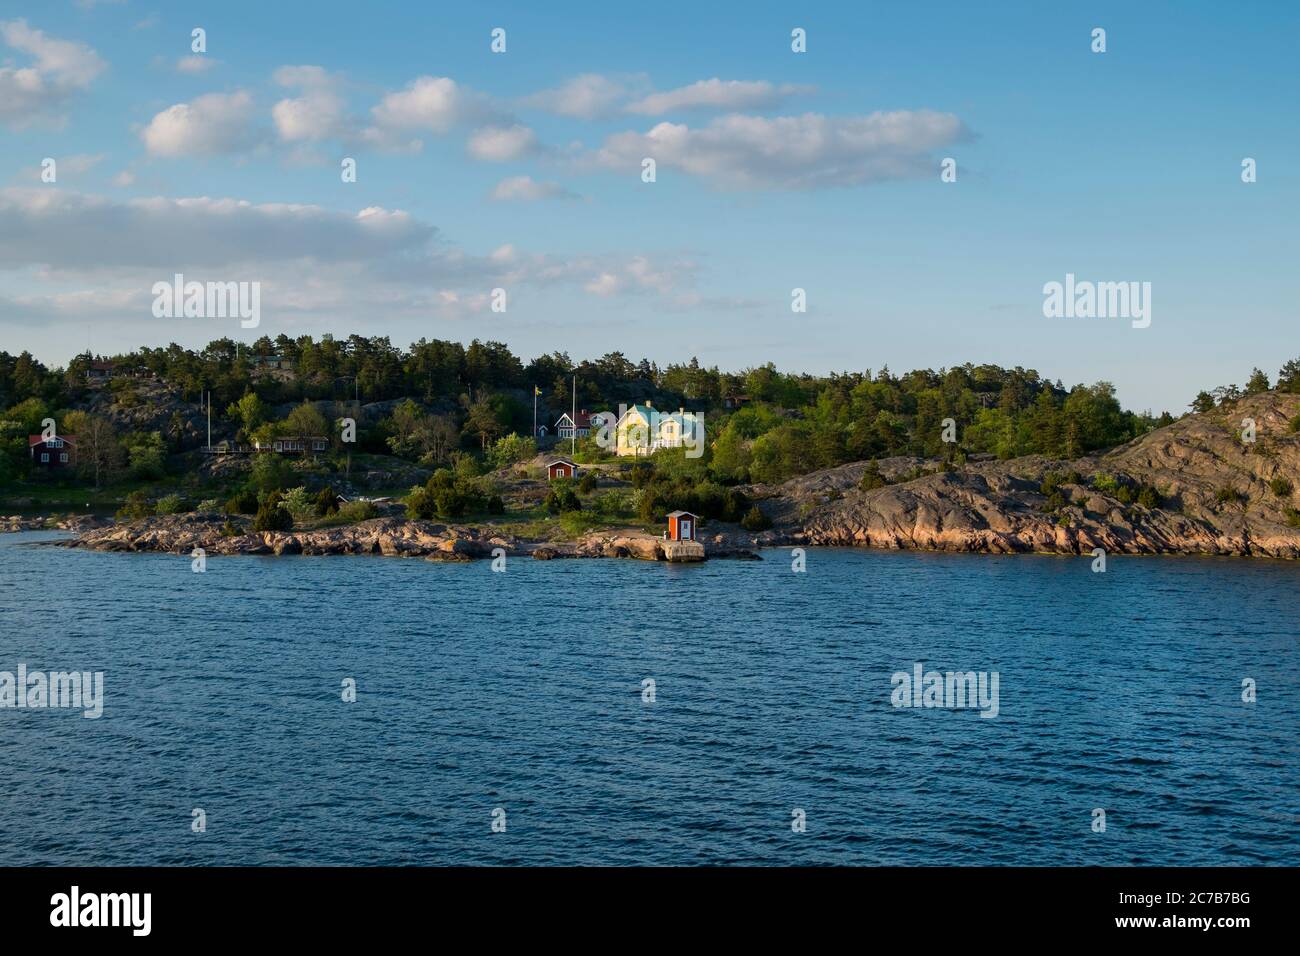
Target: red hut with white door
[
  {"x": 561, "y": 468},
  {"x": 681, "y": 526}
]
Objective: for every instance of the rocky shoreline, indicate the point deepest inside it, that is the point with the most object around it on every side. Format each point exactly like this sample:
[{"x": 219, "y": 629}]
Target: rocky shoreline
[
  {"x": 78, "y": 523},
  {"x": 389, "y": 537},
  {"x": 1207, "y": 492}
]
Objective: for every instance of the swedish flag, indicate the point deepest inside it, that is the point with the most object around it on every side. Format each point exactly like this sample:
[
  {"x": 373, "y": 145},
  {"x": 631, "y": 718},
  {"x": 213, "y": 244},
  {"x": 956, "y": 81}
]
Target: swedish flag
[{"x": 536, "y": 390}]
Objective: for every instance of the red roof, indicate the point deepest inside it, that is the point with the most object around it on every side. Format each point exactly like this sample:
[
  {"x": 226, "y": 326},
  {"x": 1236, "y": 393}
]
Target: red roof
[
  {"x": 582, "y": 420},
  {"x": 34, "y": 440}
]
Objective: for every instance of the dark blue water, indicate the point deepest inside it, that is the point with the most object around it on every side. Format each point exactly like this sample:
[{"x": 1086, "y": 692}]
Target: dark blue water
[{"x": 522, "y": 690}]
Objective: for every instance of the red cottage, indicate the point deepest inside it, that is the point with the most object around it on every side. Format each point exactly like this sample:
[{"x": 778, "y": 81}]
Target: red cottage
[
  {"x": 681, "y": 526},
  {"x": 52, "y": 453},
  {"x": 561, "y": 468}
]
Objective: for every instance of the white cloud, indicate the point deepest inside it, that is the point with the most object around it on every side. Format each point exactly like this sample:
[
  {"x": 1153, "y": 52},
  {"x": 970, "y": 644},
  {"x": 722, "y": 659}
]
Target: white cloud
[
  {"x": 195, "y": 63},
  {"x": 503, "y": 143},
  {"x": 718, "y": 94},
  {"x": 605, "y": 284},
  {"x": 62, "y": 67},
  {"x": 526, "y": 189},
  {"x": 791, "y": 152},
  {"x": 589, "y": 96},
  {"x": 432, "y": 103},
  {"x": 211, "y": 124},
  {"x": 61, "y": 229},
  {"x": 318, "y": 114},
  {"x": 639, "y": 274},
  {"x": 86, "y": 252}
]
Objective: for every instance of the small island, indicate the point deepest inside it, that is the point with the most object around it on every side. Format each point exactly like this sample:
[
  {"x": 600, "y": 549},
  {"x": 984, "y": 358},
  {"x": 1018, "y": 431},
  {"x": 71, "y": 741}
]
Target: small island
[{"x": 452, "y": 452}]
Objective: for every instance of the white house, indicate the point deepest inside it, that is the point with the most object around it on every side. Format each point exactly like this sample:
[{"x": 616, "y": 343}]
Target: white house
[{"x": 570, "y": 427}]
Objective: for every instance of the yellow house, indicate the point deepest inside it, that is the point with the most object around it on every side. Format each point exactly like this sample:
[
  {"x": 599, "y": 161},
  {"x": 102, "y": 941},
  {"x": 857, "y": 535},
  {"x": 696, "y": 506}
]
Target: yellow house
[{"x": 643, "y": 430}]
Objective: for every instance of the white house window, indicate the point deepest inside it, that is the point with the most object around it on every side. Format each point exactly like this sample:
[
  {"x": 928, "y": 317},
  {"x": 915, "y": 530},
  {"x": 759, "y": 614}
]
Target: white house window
[
  {"x": 63, "y": 457},
  {"x": 45, "y": 458},
  {"x": 54, "y": 443}
]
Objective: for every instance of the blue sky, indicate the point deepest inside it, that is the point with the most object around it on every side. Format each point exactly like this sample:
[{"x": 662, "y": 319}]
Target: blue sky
[{"x": 776, "y": 170}]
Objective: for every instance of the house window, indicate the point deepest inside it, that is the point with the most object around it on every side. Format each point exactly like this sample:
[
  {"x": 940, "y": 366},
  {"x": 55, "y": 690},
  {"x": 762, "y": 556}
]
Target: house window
[
  {"x": 63, "y": 457},
  {"x": 45, "y": 458}
]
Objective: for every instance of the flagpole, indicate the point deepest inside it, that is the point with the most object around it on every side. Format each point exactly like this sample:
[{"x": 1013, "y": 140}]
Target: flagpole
[
  {"x": 573, "y": 435},
  {"x": 534, "y": 413}
]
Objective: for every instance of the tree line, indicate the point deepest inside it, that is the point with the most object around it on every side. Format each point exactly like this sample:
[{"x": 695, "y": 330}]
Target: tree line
[{"x": 449, "y": 399}]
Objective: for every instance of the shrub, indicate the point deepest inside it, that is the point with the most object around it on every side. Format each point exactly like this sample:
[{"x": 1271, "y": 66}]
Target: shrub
[
  {"x": 169, "y": 505},
  {"x": 1292, "y": 517},
  {"x": 327, "y": 501},
  {"x": 653, "y": 504},
  {"x": 496, "y": 506},
  {"x": 1055, "y": 502},
  {"x": 354, "y": 511},
  {"x": 420, "y": 503},
  {"x": 228, "y": 530},
  {"x": 299, "y": 504},
  {"x": 562, "y": 498},
  {"x": 465, "y": 466},
  {"x": 755, "y": 520},
  {"x": 1228, "y": 495},
  {"x": 511, "y": 449},
  {"x": 208, "y": 505},
  {"x": 136, "y": 506},
  {"x": 642, "y": 473},
  {"x": 450, "y": 503},
  {"x": 1055, "y": 479},
  {"x": 1106, "y": 484},
  {"x": 734, "y": 505},
  {"x": 613, "y": 504},
  {"x": 271, "y": 517},
  {"x": 1148, "y": 496},
  {"x": 588, "y": 483},
  {"x": 242, "y": 503},
  {"x": 1281, "y": 487},
  {"x": 270, "y": 472},
  {"x": 871, "y": 478}
]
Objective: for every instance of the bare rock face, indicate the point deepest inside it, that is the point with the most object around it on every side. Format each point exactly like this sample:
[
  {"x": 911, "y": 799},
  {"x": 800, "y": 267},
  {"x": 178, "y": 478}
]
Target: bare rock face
[
  {"x": 395, "y": 537},
  {"x": 1214, "y": 496}
]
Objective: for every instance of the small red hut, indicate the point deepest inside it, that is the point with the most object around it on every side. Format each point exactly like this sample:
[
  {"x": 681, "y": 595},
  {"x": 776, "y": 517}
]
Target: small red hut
[
  {"x": 681, "y": 526},
  {"x": 561, "y": 468}
]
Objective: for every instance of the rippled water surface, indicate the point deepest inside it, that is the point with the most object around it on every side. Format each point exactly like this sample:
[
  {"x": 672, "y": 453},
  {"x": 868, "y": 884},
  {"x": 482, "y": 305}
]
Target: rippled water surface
[{"x": 523, "y": 691}]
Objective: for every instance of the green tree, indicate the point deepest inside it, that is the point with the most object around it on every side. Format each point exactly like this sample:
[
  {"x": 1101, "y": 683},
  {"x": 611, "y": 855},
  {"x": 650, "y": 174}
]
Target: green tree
[
  {"x": 306, "y": 421},
  {"x": 250, "y": 412}
]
